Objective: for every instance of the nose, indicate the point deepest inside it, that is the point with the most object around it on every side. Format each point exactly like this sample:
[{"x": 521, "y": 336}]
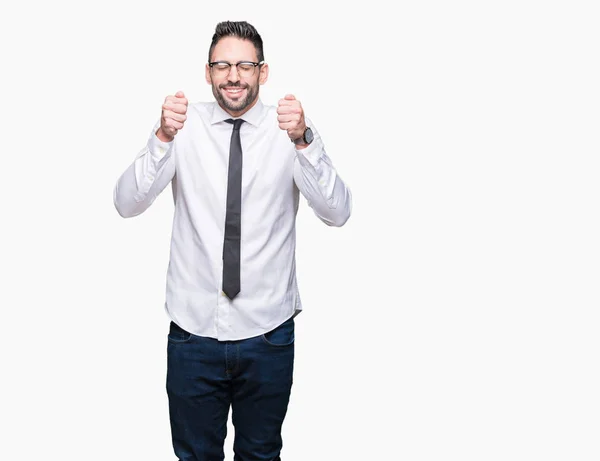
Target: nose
[{"x": 233, "y": 74}]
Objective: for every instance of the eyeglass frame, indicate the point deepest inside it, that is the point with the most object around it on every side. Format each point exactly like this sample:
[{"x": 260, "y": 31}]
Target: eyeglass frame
[{"x": 230, "y": 64}]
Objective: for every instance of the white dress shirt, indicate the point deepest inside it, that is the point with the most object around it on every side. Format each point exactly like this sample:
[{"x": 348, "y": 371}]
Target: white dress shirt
[{"x": 274, "y": 173}]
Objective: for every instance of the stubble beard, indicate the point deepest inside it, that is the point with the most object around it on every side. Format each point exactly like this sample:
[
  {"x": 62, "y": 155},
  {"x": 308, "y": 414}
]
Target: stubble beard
[{"x": 239, "y": 105}]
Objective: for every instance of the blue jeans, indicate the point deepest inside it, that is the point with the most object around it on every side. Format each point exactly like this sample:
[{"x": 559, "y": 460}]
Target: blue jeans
[{"x": 205, "y": 377}]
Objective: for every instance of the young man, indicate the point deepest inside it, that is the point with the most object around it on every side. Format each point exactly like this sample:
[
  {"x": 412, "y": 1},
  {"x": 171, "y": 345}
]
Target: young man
[{"x": 236, "y": 168}]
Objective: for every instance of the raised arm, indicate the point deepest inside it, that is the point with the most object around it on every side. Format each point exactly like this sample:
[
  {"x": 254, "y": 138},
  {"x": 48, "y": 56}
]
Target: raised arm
[
  {"x": 153, "y": 167},
  {"x": 314, "y": 173}
]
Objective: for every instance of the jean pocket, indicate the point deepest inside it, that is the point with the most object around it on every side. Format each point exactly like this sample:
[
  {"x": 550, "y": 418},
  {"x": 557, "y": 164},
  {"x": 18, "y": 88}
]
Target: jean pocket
[
  {"x": 178, "y": 334},
  {"x": 281, "y": 336}
]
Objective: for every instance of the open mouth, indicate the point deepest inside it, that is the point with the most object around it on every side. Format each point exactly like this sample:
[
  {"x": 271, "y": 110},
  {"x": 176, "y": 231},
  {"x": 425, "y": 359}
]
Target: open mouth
[{"x": 234, "y": 92}]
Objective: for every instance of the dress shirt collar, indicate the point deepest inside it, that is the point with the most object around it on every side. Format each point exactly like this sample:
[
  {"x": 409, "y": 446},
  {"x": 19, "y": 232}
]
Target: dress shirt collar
[{"x": 253, "y": 116}]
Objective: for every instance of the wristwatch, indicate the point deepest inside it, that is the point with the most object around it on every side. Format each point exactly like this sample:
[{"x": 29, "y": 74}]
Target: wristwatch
[{"x": 306, "y": 138}]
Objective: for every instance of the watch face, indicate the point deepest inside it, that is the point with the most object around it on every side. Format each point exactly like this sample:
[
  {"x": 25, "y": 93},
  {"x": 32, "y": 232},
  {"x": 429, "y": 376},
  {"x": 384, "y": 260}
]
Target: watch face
[{"x": 308, "y": 136}]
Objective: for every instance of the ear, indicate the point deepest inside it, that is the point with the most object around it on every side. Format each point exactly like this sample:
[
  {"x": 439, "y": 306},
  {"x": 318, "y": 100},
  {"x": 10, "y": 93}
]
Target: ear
[
  {"x": 207, "y": 75},
  {"x": 264, "y": 74}
]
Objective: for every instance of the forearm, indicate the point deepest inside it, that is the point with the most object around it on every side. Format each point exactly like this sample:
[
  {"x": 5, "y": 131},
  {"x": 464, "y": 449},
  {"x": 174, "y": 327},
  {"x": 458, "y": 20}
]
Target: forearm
[
  {"x": 318, "y": 181},
  {"x": 151, "y": 171}
]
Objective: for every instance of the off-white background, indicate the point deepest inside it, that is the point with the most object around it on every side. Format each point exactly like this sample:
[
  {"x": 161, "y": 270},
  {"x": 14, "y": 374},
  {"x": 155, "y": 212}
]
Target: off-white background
[{"x": 454, "y": 317}]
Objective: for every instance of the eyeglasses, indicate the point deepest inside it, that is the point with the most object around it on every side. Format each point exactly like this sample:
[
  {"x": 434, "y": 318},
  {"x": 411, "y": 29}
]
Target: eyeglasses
[{"x": 244, "y": 68}]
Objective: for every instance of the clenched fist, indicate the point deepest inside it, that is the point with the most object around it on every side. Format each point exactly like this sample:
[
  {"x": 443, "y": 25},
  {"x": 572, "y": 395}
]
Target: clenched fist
[
  {"x": 173, "y": 116},
  {"x": 290, "y": 116}
]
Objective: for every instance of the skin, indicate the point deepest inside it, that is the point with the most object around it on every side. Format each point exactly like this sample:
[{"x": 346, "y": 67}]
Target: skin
[{"x": 290, "y": 114}]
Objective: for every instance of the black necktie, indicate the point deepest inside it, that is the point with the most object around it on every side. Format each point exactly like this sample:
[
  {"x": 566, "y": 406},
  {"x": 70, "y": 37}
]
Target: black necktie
[{"x": 231, "y": 243}]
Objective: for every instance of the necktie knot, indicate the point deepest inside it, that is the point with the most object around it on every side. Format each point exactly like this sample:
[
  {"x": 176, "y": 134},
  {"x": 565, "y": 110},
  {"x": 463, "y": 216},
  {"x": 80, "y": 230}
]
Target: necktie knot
[{"x": 237, "y": 123}]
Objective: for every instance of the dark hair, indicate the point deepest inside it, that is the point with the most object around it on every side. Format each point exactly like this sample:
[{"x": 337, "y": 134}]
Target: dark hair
[{"x": 240, "y": 29}]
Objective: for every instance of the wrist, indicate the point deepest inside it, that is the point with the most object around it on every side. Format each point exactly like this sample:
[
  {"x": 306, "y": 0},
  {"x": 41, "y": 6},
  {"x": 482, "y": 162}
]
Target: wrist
[
  {"x": 305, "y": 139},
  {"x": 160, "y": 134}
]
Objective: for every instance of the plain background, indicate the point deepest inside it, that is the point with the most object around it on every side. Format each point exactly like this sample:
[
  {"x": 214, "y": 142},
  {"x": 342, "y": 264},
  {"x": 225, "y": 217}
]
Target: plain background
[{"x": 454, "y": 317}]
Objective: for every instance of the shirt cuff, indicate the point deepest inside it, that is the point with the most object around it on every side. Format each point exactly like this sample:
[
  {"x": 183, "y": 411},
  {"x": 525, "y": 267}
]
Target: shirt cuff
[
  {"x": 157, "y": 148},
  {"x": 313, "y": 152}
]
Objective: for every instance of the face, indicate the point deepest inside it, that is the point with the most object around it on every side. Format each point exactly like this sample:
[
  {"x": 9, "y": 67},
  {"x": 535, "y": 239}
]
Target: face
[{"x": 235, "y": 93}]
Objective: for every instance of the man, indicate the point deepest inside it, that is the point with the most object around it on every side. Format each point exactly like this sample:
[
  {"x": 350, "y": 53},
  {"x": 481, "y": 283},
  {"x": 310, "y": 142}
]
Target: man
[{"x": 236, "y": 168}]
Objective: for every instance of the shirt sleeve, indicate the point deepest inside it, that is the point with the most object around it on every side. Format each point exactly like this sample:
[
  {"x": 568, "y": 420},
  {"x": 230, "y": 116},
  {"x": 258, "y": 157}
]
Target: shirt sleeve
[
  {"x": 318, "y": 181},
  {"x": 148, "y": 175}
]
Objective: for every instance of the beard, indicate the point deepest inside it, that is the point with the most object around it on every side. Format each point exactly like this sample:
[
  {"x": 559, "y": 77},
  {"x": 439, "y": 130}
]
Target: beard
[{"x": 239, "y": 105}]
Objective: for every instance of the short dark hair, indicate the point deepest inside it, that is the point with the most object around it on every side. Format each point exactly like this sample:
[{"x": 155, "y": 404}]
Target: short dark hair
[{"x": 240, "y": 29}]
